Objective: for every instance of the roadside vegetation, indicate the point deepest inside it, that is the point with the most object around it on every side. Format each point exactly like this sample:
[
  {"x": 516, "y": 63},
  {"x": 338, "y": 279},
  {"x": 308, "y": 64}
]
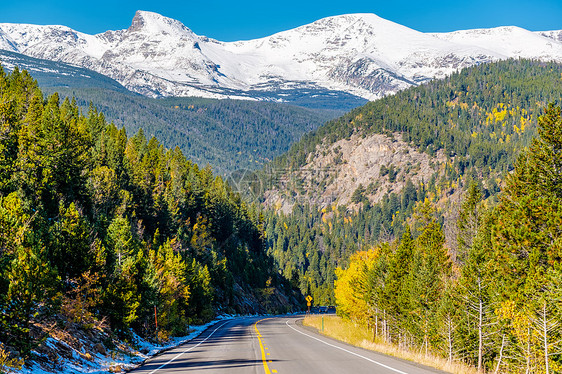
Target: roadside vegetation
[{"x": 360, "y": 335}]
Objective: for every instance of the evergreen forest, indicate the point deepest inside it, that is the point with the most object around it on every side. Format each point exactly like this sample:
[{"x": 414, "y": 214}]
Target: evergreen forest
[{"x": 101, "y": 228}]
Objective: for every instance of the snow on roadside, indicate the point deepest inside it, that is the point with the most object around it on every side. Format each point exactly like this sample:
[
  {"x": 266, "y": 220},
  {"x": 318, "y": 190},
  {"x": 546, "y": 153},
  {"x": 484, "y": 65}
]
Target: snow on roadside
[{"x": 125, "y": 357}]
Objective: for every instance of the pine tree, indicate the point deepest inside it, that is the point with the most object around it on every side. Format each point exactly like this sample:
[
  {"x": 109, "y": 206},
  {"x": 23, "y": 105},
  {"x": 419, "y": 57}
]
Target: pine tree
[
  {"x": 32, "y": 292},
  {"x": 530, "y": 213},
  {"x": 478, "y": 295},
  {"x": 469, "y": 221}
]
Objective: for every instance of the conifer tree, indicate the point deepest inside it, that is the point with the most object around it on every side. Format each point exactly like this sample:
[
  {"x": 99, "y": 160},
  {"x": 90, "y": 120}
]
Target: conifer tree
[
  {"x": 32, "y": 292},
  {"x": 527, "y": 239}
]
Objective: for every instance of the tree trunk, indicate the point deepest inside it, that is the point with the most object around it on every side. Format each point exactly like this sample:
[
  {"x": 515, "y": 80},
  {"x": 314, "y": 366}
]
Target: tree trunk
[
  {"x": 501, "y": 356},
  {"x": 384, "y": 327},
  {"x": 450, "y": 337},
  {"x": 376, "y": 325},
  {"x": 480, "y": 325},
  {"x": 545, "y": 337},
  {"x": 528, "y": 357}
]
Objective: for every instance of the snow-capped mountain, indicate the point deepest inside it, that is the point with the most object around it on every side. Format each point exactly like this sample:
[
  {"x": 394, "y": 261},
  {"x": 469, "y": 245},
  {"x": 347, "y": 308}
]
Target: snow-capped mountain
[{"x": 361, "y": 54}]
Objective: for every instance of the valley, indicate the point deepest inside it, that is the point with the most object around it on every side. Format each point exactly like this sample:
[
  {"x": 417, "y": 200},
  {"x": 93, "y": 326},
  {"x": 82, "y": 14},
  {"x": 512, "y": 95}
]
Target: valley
[{"x": 153, "y": 180}]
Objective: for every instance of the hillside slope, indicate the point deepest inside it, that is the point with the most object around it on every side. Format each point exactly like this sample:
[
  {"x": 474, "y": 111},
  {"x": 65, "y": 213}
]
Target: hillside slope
[{"x": 356, "y": 180}]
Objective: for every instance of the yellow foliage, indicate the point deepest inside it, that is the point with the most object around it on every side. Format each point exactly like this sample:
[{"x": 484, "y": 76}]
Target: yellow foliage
[
  {"x": 7, "y": 361},
  {"x": 519, "y": 321},
  {"x": 521, "y": 325},
  {"x": 348, "y": 293}
]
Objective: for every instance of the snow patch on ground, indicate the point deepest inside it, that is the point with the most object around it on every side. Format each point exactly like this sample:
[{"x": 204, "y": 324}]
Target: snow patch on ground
[{"x": 124, "y": 357}]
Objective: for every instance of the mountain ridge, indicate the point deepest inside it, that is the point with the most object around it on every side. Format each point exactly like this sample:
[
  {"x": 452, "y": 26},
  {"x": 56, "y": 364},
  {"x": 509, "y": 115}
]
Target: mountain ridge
[{"x": 361, "y": 54}]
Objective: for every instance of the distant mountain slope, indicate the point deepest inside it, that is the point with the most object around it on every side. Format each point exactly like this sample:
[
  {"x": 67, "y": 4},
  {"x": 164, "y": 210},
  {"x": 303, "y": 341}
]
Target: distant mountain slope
[
  {"x": 54, "y": 74},
  {"x": 360, "y": 54},
  {"x": 227, "y": 134}
]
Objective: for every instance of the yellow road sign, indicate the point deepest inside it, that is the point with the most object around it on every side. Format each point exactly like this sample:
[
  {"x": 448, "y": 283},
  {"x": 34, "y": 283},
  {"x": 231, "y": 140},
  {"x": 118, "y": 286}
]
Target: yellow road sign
[
  {"x": 308, "y": 303},
  {"x": 308, "y": 299}
]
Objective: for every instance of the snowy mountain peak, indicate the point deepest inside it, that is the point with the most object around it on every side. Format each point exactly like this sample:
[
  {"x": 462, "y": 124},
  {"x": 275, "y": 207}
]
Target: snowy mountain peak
[
  {"x": 348, "y": 20},
  {"x": 361, "y": 54},
  {"x": 154, "y": 23}
]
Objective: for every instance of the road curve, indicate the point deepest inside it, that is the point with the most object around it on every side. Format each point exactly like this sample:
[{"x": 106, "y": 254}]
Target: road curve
[{"x": 277, "y": 345}]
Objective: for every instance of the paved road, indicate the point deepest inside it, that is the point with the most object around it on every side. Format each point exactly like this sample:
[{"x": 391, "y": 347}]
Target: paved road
[{"x": 272, "y": 346}]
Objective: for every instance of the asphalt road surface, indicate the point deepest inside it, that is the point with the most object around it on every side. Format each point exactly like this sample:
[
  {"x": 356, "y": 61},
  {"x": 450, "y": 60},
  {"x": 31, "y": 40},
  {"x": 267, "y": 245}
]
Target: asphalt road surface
[{"x": 276, "y": 345}]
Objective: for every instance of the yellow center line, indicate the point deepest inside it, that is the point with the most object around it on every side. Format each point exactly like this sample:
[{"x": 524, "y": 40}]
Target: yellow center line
[{"x": 265, "y": 366}]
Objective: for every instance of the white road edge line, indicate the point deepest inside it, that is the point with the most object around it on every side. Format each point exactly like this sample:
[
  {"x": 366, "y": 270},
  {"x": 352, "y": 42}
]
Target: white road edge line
[
  {"x": 345, "y": 350},
  {"x": 188, "y": 349}
]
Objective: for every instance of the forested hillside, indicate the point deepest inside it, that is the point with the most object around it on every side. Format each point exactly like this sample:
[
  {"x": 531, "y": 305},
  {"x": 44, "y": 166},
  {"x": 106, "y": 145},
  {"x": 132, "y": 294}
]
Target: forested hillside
[
  {"x": 226, "y": 134},
  {"x": 473, "y": 125},
  {"x": 479, "y": 116},
  {"x": 497, "y": 307},
  {"x": 98, "y": 226}
]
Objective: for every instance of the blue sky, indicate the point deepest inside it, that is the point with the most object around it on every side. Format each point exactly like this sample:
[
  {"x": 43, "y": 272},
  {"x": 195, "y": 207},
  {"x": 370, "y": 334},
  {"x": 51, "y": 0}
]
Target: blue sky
[{"x": 236, "y": 20}]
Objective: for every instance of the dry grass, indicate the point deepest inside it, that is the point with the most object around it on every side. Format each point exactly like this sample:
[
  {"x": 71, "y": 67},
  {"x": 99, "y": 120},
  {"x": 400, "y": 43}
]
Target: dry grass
[{"x": 358, "y": 335}]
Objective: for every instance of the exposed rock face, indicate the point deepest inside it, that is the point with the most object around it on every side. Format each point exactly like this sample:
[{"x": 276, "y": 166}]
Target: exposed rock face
[
  {"x": 360, "y": 54},
  {"x": 333, "y": 173},
  {"x": 137, "y": 24}
]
